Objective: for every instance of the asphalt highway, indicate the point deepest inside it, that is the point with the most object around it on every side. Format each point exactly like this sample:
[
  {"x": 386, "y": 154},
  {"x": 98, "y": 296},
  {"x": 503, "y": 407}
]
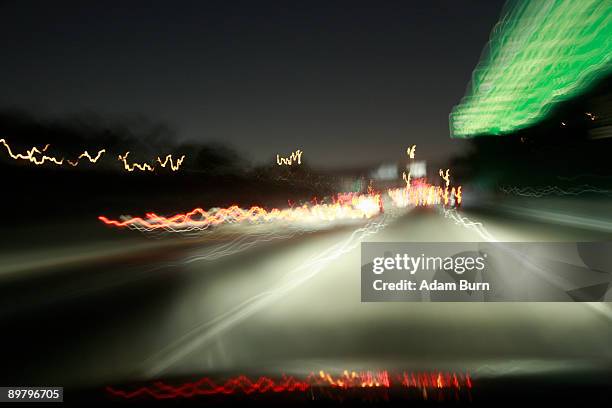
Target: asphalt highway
[{"x": 277, "y": 300}]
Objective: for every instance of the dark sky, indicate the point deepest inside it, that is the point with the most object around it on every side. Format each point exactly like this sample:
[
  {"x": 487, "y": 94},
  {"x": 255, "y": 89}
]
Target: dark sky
[{"x": 347, "y": 82}]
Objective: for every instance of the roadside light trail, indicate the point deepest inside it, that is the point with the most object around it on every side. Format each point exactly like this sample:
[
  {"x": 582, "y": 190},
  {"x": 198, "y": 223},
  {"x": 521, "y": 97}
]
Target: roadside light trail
[
  {"x": 290, "y": 305},
  {"x": 39, "y": 157},
  {"x": 599, "y": 308},
  {"x": 465, "y": 222},
  {"x": 240, "y": 244},
  {"x": 158, "y": 363},
  {"x": 358, "y": 206}
]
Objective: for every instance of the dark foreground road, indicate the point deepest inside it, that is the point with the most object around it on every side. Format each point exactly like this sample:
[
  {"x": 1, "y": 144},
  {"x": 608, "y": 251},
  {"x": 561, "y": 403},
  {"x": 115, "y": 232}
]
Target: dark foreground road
[{"x": 260, "y": 300}]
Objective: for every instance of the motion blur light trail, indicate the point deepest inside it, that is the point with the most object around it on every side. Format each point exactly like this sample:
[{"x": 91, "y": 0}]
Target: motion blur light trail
[
  {"x": 288, "y": 384},
  {"x": 32, "y": 153},
  {"x": 206, "y": 386},
  {"x": 86, "y": 155},
  {"x": 410, "y": 151},
  {"x": 240, "y": 244},
  {"x": 540, "y": 53},
  {"x": 130, "y": 167},
  {"x": 174, "y": 166},
  {"x": 469, "y": 224},
  {"x": 538, "y": 192},
  {"x": 425, "y": 195},
  {"x": 360, "y": 206},
  {"x": 306, "y": 270},
  {"x": 295, "y": 157},
  {"x": 36, "y": 155},
  {"x": 420, "y": 193}
]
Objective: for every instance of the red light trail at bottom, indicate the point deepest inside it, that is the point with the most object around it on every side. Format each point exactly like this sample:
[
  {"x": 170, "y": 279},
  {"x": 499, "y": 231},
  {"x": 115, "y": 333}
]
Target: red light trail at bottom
[{"x": 367, "y": 380}]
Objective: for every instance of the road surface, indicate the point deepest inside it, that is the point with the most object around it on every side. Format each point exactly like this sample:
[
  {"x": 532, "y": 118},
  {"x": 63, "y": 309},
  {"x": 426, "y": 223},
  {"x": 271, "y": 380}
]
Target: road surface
[{"x": 270, "y": 301}]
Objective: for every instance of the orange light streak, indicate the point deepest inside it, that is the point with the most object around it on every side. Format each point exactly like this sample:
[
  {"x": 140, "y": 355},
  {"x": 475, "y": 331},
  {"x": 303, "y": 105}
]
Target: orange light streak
[
  {"x": 35, "y": 155},
  {"x": 168, "y": 159},
  {"x": 147, "y": 167},
  {"x": 360, "y": 206},
  {"x": 30, "y": 155},
  {"x": 295, "y": 157},
  {"x": 86, "y": 155},
  {"x": 131, "y": 167},
  {"x": 421, "y": 193}
]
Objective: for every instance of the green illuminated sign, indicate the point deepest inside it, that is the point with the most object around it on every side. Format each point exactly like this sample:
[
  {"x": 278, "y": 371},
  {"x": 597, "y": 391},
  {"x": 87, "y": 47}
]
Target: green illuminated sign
[{"x": 540, "y": 53}]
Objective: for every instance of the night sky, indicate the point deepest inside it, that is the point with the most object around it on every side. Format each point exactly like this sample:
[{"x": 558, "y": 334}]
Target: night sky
[{"x": 347, "y": 82}]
